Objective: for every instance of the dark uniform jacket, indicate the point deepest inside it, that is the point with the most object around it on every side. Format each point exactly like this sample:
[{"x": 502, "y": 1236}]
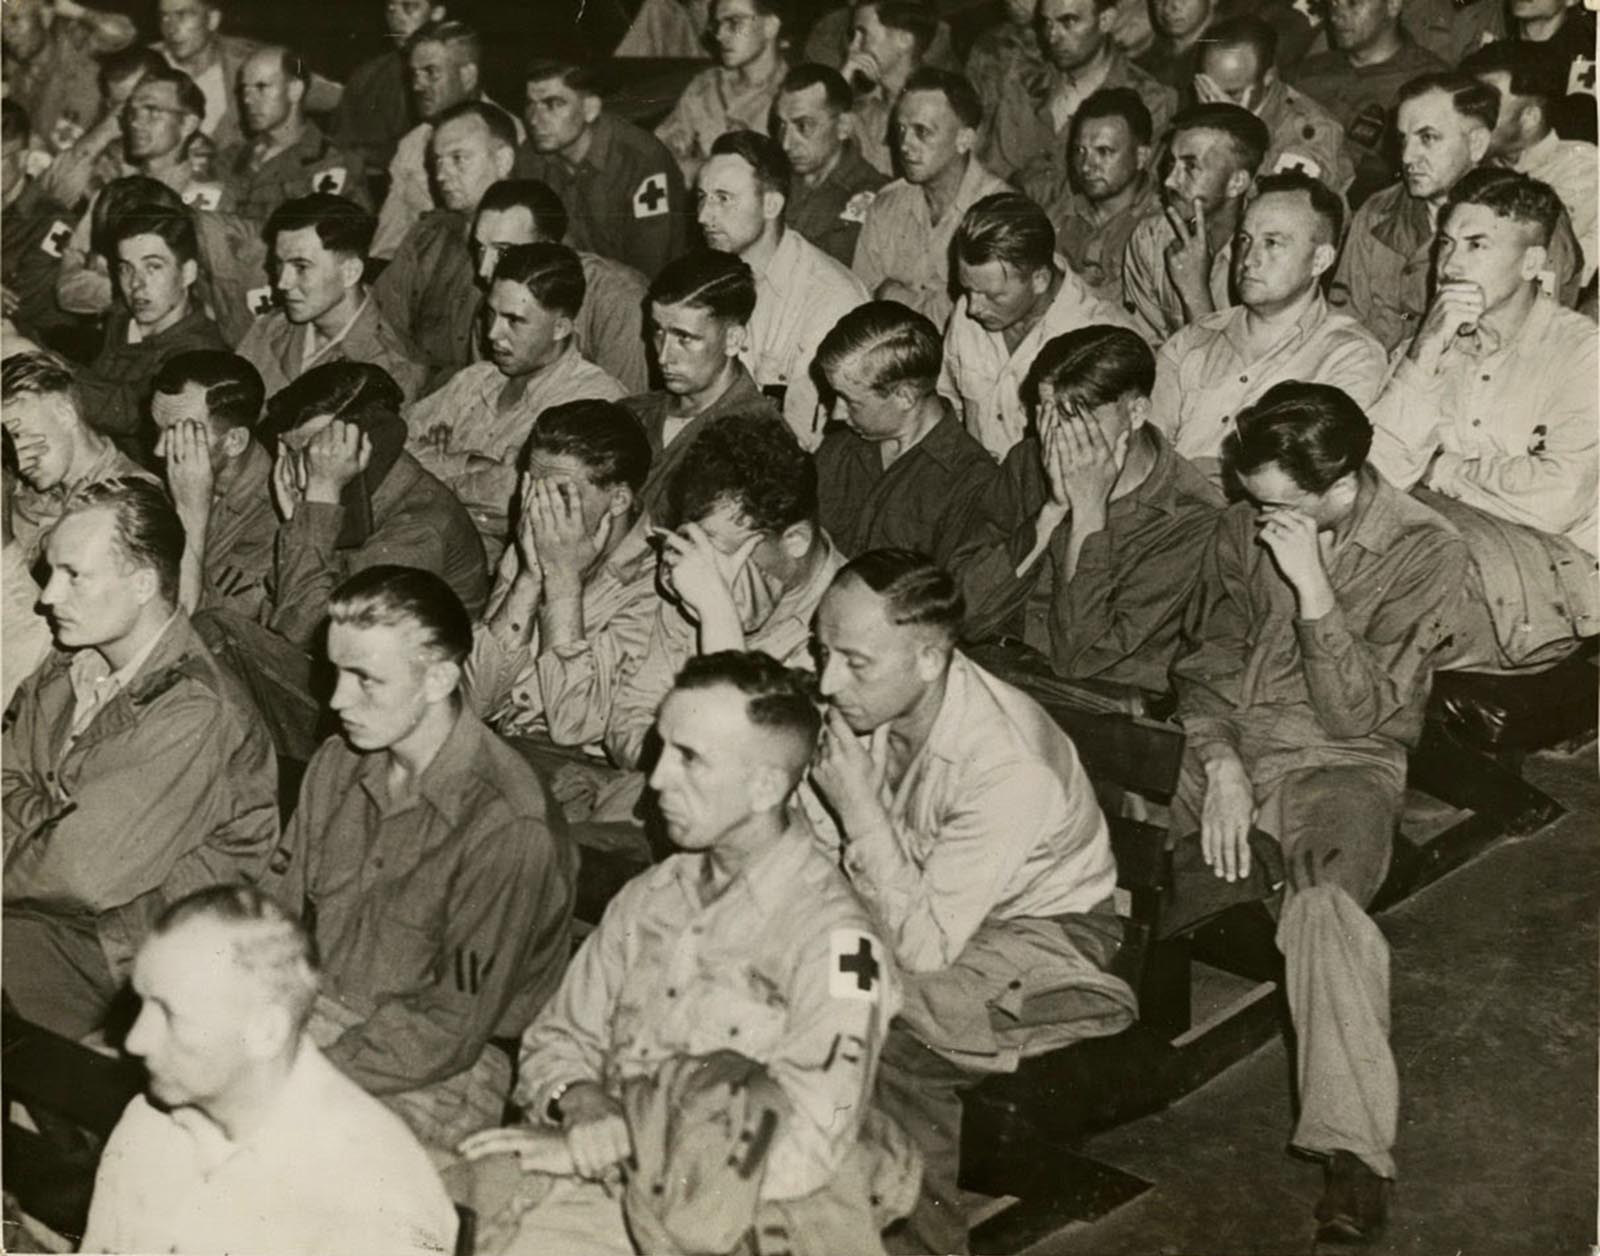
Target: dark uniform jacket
[
  {"x": 830, "y": 214},
  {"x": 427, "y": 293},
  {"x": 375, "y": 110},
  {"x": 311, "y": 164},
  {"x": 116, "y": 385}
]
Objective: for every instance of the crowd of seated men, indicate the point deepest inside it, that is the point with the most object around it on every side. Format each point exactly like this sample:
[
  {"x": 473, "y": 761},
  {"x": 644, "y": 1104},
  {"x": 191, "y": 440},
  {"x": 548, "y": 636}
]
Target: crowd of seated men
[{"x": 375, "y": 543}]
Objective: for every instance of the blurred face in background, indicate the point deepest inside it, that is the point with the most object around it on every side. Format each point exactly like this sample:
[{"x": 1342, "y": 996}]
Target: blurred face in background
[
  {"x": 441, "y": 76},
  {"x": 810, "y": 132},
  {"x": 188, "y": 27},
  {"x": 1106, "y": 157}
]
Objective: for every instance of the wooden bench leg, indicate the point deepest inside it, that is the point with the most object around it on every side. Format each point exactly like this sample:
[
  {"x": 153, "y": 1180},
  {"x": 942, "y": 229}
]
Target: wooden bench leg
[{"x": 1464, "y": 776}]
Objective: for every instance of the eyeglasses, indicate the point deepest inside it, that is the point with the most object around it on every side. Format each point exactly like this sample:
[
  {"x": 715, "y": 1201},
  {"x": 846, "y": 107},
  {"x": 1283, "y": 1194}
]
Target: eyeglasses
[
  {"x": 148, "y": 113},
  {"x": 733, "y": 25}
]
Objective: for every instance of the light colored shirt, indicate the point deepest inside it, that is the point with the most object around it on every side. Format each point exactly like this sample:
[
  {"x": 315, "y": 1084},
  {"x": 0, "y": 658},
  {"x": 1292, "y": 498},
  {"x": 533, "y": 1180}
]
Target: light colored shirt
[
  {"x": 994, "y": 819},
  {"x": 1515, "y": 424},
  {"x": 1147, "y": 289},
  {"x": 714, "y": 102},
  {"x": 984, "y": 378},
  {"x": 95, "y": 683},
  {"x": 481, "y": 464},
  {"x": 800, "y": 294},
  {"x": 1207, "y": 373},
  {"x": 1568, "y": 167},
  {"x": 329, "y": 1170},
  {"x": 901, "y": 241}
]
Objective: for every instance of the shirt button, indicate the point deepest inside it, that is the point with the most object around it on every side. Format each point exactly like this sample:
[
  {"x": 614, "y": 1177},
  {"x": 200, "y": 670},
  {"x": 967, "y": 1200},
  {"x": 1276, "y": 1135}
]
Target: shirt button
[
  {"x": 1244, "y": 379},
  {"x": 672, "y": 992},
  {"x": 1477, "y": 422}
]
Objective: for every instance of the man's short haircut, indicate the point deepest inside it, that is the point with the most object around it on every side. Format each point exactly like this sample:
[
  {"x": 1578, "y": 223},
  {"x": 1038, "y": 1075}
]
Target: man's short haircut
[
  {"x": 1247, "y": 134},
  {"x": 552, "y": 272},
  {"x": 267, "y": 942},
  {"x": 1315, "y": 433},
  {"x": 779, "y": 698},
  {"x": 137, "y": 60},
  {"x": 502, "y": 130},
  {"x": 145, "y": 528},
  {"x": 577, "y": 75},
  {"x": 765, "y": 8},
  {"x": 916, "y": 589},
  {"x": 719, "y": 283},
  {"x": 1009, "y": 228},
  {"x": 753, "y": 461},
  {"x": 352, "y": 392},
  {"x": 343, "y": 226},
  {"x": 1095, "y": 365},
  {"x": 763, "y": 154},
  {"x": 956, "y": 89},
  {"x": 1118, "y": 102},
  {"x": 232, "y": 386},
  {"x": 451, "y": 34},
  {"x": 1246, "y": 31},
  {"x": 1511, "y": 195},
  {"x": 835, "y": 91},
  {"x": 37, "y": 373},
  {"x": 391, "y": 596},
  {"x": 174, "y": 226},
  {"x": 291, "y": 64},
  {"x": 1472, "y": 98},
  {"x": 1325, "y": 203},
  {"x": 131, "y": 193},
  {"x": 1532, "y": 71},
  {"x": 544, "y": 206},
  {"x": 914, "y": 17},
  {"x": 604, "y": 437},
  {"x": 190, "y": 98},
  {"x": 892, "y": 344},
  {"x": 14, "y": 123}
]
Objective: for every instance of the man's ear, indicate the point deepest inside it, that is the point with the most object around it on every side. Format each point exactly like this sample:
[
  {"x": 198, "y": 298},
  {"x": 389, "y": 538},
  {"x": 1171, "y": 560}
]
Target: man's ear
[
  {"x": 844, "y": 126},
  {"x": 591, "y": 108},
  {"x": 797, "y": 538},
  {"x": 436, "y": 14},
  {"x": 235, "y": 441},
  {"x": 504, "y": 158},
  {"x": 146, "y": 585},
  {"x": 190, "y": 271},
  {"x": 1106, "y": 20},
  {"x": 469, "y": 78},
  {"x": 737, "y": 336},
  {"x": 1477, "y": 143},
  {"x": 188, "y": 124},
  {"x": 1322, "y": 259},
  {"x": 1138, "y": 410},
  {"x": 214, "y": 19},
  {"x": 768, "y": 787},
  {"x": 297, "y": 90},
  {"x": 267, "y": 1030},
  {"x": 966, "y": 137},
  {"x": 1141, "y": 157},
  {"x": 441, "y": 679},
  {"x": 772, "y": 204},
  {"x": 1535, "y": 259},
  {"x": 1239, "y": 183},
  {"x": 619, "y": 505},
  {"x": 933, "y": 656}
]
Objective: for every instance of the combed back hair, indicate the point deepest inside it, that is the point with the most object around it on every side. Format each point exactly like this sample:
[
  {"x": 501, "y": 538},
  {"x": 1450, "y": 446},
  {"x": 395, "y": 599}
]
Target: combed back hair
[
  {"x": 604, "y": 437},
  {"x": 1118, "y": 102},
  {"x": 391, "y": 596},
  {"x": 890, "y": 343},
  {"x": 1315, "y": 433},
  {"x": 917, "y": 590},
  {"x": 37, "y": 373},
  {"x": 347, "y": 391},
  {"x": 145, "y": 527},
  {"x": 173, "y": 226},
  {"x": 544, "y": 206},
  {"x": 1095, "y": 365},
  {"x": 1009, "y": 228},
  {"x": 291, "y": 63},
  {"x": 451, "y": 34},
  {"x": 267, "y": 942},
  {"x": 1511, "y": 195},
  {"x": 502, "y": 130},
  {"x": 767, "y": 8},
  {"x": 1325, "y": 203},
  {"x": 552, "y": 272},
  {"x": 190, "y": 98},
  {"x": 719, "y": 283},
  {"x": 14, "y": 123},
  {"x": 1473, "y": 99},
  {"x": 1247, "y": 134},
  {"x": 1247, "y": 31},
  {"x": 753, "y": 461},
  {"x": 577, "y": 75},
  {"x": 133, "y": 62},
  {"x": 776, "y": 697},
  {"x": 343, "y": 226},
  {"x": 129, "y": 194},
  {"x": 232, "y": 386},
  {"x": 914, "y": 17},
  {"x": 835, "y": 90},
  {"x": 1532, "y": 71},
  {"x": 956, "y": 89},
  {"x": 763, "y": 154}
]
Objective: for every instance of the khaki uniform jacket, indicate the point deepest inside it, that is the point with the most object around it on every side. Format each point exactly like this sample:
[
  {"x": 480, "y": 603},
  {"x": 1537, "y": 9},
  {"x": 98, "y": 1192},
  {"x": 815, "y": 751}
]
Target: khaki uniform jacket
[
  {"x": 313, "y": 163},
  {"x": 239, "y": 540},
  {"x": 428, "y": 293},
  {"x": 1304, "y": 136},
  {"x": 171, "y": 788},
  {"x": 711, "y": 104},
  {"x": 277, "y": 348}
]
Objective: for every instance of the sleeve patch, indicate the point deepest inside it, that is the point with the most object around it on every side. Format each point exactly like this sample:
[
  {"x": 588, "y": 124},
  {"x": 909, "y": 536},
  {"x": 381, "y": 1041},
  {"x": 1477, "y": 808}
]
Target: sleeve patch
[
  {"x": 856, "y": 207},
  {"x": 330, "y": 180},
  {"x": 1297, "y": 161},
  {"x": 855, "y": 966},
  {"x": 650, "y": 197},
  {"x": 203, "y": 196},
  {"x": 56, "y": 239},
  {"x": 259, "y": 300}
]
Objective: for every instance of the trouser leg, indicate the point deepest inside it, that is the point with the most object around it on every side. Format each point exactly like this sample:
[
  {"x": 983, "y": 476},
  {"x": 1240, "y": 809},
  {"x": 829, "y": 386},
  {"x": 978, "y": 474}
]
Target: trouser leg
[{"x": 56, "y": 974}]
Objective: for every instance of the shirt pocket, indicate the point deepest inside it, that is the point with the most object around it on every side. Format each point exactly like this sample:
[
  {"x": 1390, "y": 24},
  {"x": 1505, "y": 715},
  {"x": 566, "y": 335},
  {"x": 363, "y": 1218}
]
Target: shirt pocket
[{"x": 725, "y": 1017}]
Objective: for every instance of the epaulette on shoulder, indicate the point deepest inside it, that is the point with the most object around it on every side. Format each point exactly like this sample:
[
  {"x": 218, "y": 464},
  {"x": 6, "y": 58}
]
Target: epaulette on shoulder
[{"x": 189, "y": 667}]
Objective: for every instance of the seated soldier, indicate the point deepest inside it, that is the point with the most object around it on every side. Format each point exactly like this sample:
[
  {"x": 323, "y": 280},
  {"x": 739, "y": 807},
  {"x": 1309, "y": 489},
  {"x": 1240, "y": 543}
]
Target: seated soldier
[
  {"x": 57, "y": 449},
  {"x": 833, "y": 184},
  {"x": 461, "y": 932},
  {"x": 470, "y": 432},
  {"x": 575, "y": 596},
  {"x": 890, "y": 40},
  {"x": 968, "y": 827},
  {"x": 1302, "y": 687},
  {"x": 325, "y": 312},
  {"x": 156, "y": 316},
  {"x": 1103, "y": 188},
  {"x": 620, "y": 184},
  {"x": 745, "y": 952},
  {"x": 800, "y": 291},
  {"x": 136, "y": 770},
  {"x": 1016, "y": 293},
  {"x": 205, "y": 404},
  {"x": 374, "y": 111},
  {"x": 1122, "y": 517},
  {"x": 609, "y": 328},
  {"x": 349, "y": 497},
  {"x": 1006, "y": 50},
  {"x": 1178, "y": 261},
  {"x": 37, "y": 229},
  {"x": 897, "y": 469},
  {"x": 735, "y": 94},
  {"x": 1444, "y": 121},
  {"x": 1491, "y": 407},
  {"x": 903, "y": 253},
  {"x": 26, "y": 639},
  {"x": 427, "y": 291},
  {"x": 1281, "y": 329},
  {"x": 284, "y": 154},
  {"x": 256, "y": 1143},
  {"x": 700, "y": 309},
  {"x": 51, "y": 55}
]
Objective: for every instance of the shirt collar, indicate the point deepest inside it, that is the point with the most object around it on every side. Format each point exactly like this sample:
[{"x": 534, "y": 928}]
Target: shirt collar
[
  {"x": 441, "y": 782},
  {"x": 89, "y": 668},
  {"x": 600, "y": 139},
  {"x": 1311, "y": 318},
  {"x": 769, "y": 878},
  {"x": 1376, "y": 525}
]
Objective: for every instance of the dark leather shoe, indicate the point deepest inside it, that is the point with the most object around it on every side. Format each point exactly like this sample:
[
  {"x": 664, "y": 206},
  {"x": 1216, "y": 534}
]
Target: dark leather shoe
[{"x": 1354, "y": 1203}]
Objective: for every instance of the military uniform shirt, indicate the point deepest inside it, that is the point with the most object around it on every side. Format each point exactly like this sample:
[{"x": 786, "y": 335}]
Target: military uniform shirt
[
  {"x": 1148, "y": 292},
  {"x": 831, "y": 213},
  {"x": 310, "y": 164},
  {"x": 283, "y": 351},
  {"x": 712, "y": 103}
]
